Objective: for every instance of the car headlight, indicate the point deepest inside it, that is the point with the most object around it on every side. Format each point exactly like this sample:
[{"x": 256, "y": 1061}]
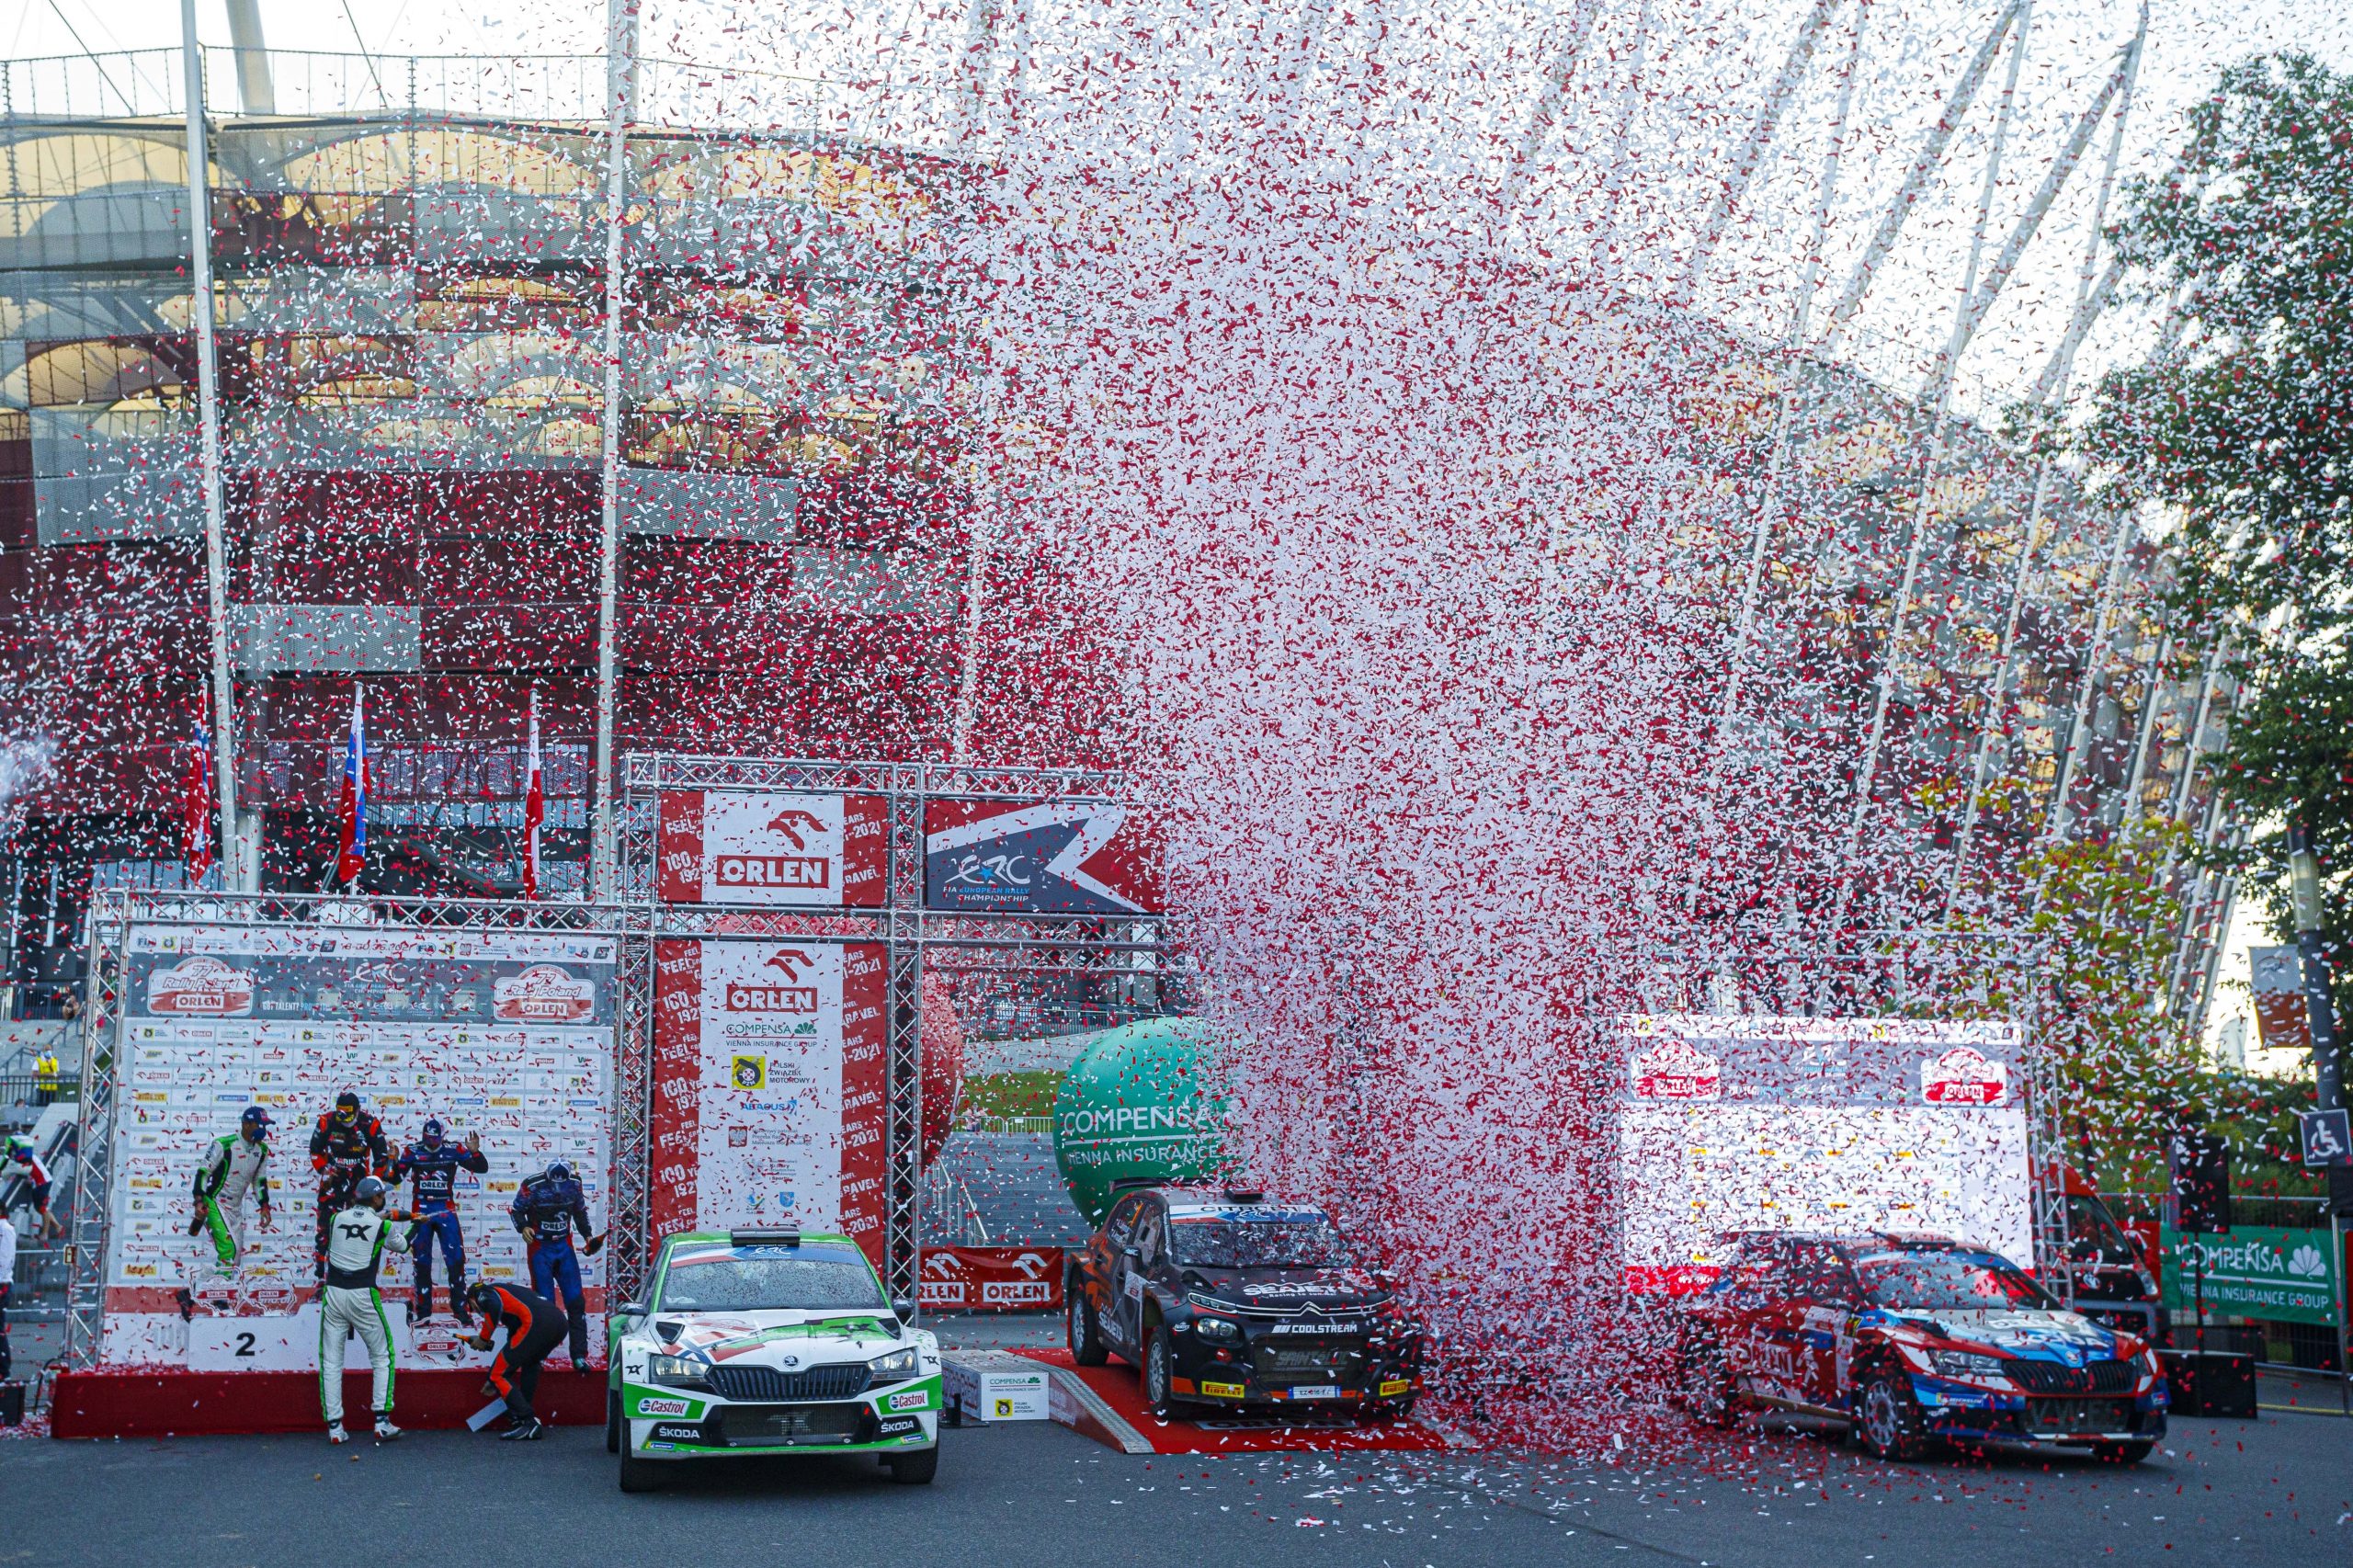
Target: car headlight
[
  {"x": 1223, "y": 1330},
  {"x": 678, "y": 1372},
  {"x": 897, "y": 1364},
  {"x": 1965, "y": 1364},
  {"x": 1197, "y": 1298}
]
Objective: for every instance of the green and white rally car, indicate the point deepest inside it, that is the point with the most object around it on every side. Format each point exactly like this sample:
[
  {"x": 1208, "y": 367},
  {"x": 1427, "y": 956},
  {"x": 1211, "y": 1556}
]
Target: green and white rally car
[{"x": 769, "y": 1342}]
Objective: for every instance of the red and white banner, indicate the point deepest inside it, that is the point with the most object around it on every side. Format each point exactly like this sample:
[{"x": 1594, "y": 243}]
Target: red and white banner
[
  {"x": 1011, "y": 1279},
  {"x": 798, "y": 851},
  {"x": 769, "y": 1086}
]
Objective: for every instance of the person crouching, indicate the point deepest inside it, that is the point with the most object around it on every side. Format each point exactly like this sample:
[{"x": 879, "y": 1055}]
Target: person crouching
[{"x": 534, "y": 1325}]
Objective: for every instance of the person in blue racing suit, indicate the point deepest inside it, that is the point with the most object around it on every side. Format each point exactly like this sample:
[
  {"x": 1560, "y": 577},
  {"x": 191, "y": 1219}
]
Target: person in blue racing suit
[
  {"x": 431, "y": 1166},
  {"x": 545, "y": 1210}
]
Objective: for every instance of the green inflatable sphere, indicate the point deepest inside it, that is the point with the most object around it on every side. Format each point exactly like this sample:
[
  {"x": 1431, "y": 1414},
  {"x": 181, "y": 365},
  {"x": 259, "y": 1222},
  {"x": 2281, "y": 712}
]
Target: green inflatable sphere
[{"x": 1137, "y": 1103}]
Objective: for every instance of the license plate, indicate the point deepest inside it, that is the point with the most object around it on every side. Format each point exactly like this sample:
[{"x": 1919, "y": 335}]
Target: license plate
[{"x": 1318, "y": 1390}]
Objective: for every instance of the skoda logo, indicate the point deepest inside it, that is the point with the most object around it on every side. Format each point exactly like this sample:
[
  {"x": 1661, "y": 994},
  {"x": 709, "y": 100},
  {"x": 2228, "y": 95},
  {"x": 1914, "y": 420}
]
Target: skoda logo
[
  {"x": 789, "y": 1361},
  {"x": 2070, "y": 1355}
]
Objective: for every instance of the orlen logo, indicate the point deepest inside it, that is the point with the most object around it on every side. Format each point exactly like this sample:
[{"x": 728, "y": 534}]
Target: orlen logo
[
  {"x": 771, "y": 871},
  {"x": 542, "y": 994},
  {"x": 780, "y": 995},
  {"x": 1964, "y": 1076},
  {"x": 202, "y": 986},
  {"x": 1677, "y": 1071},
  {"x": 789, "y": 826}
]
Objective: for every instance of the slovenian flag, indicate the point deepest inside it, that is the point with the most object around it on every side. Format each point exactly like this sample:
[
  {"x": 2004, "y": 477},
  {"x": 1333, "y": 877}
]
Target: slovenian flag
[
  {"x": 355, "y": 795},
  {"x": 197, "y": 806},
  {"x": 535, "y": 809}
]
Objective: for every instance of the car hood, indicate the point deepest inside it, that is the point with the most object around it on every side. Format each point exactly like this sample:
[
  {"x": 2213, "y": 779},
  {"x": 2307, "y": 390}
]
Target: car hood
[
  {"x": 769, "y": 1338},
  {"x": 2068, "y": 1338},
  {"x": 1287, "y": 1290}
]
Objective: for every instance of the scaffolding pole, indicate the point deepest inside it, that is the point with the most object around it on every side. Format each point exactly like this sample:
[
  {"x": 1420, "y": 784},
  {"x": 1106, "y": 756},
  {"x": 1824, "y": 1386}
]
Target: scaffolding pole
[{"x": 1744, "y": 163}]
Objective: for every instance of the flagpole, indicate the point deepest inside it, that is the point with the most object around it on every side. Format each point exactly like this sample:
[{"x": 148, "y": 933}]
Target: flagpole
[{"x": 534, "y": 807}]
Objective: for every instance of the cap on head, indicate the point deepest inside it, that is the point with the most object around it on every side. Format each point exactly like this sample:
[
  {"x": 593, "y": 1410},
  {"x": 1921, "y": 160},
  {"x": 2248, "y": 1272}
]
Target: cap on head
[
  {"x": 346, "y": 1101},
  {"x": 432, "y": 1131},
  {"x": 370, "y": 1193}
]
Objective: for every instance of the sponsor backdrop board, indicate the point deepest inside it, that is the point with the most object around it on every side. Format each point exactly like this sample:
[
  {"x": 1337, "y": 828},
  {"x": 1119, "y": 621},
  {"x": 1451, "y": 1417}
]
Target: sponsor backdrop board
[
  {"x": 991, "y": 1280},
  {"x": 769, "y": 1086},
  {"x": 1038, "y": 857},
  {"x": 1732, "y": 1124},
  {"x": 790, "y": 851},
  {"x": 2257, "y": 1271},
  {"x": 505, "y": 1036}
]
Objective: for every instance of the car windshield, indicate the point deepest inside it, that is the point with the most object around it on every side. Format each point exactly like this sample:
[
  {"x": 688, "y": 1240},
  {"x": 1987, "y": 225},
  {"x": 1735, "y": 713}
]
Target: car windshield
[
  {"x": 1271, "y": 1243},
  {"x": 756, "y": 1279},
  {"x": 2092, "y": 1233},
  {"x": 1945, "y": 1281}
]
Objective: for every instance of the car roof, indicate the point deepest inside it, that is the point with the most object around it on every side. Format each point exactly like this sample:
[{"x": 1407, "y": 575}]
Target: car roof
[
  {"x": 724, "y": 1238},
  {"x": 1850, "y": 1242}
]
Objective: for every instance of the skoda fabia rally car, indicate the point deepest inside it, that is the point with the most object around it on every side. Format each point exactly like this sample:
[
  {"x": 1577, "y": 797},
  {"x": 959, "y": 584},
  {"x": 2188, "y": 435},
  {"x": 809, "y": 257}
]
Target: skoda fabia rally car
[
  {"x": 1907, "y": 1339},
  {"x": 1220, "y": 1298},
  {"x": 768, "y": 1342}
]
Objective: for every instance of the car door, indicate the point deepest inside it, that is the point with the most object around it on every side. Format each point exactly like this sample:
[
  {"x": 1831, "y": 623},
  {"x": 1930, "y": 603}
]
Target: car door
[
  {"x": 1823, "y": 1296},
  {"x": 1136, "y": 1264},
  {"x": 1106, "y": 1256},
  {"x": 1743, "y": 1330}
]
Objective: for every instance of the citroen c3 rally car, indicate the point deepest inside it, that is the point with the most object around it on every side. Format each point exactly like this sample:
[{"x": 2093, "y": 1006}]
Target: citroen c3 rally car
[
  {"x": 1222, "y": 1298},
  {"x": 768, "y": 1342},
  {"x": 1907, "y": 1339}
]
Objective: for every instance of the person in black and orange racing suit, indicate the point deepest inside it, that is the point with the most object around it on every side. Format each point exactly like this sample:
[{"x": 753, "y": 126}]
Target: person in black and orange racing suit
[
  {"x": 535, "y": 1326},
  {"x": 345, "y": 1145}
]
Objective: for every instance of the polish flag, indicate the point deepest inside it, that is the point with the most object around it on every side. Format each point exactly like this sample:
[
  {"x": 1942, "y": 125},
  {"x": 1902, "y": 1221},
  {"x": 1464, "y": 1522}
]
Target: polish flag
[
  {"x": 197, "y": 846},
  {"x": 355, "y": 795},
  {"x": 535, "y": 809}
]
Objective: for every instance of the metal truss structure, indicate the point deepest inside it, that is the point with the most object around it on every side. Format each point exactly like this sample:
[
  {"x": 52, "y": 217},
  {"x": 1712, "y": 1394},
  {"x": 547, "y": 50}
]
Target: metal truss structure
[
  {"x": 113, "y": 916},
  {"x": 969, "y": 947}
]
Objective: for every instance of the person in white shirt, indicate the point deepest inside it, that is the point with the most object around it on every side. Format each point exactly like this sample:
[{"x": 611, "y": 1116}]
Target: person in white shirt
[
  {"x": 349, "y": 1303},
  {"x": 8, "y": 1285}
]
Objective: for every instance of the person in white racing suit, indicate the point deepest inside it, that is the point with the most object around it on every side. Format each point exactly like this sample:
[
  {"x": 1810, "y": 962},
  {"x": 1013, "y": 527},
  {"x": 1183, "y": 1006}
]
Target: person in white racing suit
[
  {"x": 350, "y": 1303},
  {"x": 233, "y": 1164}
]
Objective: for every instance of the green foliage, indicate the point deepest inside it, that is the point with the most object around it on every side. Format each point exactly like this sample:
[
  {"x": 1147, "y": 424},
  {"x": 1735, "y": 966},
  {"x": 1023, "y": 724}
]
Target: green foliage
[
  {"x": 2244, "y": 428},
  {"x": 1010, "y": 1093}
]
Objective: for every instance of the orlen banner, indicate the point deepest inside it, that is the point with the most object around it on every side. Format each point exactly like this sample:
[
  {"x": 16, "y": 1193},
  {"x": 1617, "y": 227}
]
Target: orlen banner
[
  {"x": 1734, "y": 1124},
  {"x": 769, "y": 1086},
  {"x": 800, "y": 851},
  {"x": 1002, "y": 1279},
  {"x": 502, "y": 1036},
  {"x": 1038, "y": 856}
]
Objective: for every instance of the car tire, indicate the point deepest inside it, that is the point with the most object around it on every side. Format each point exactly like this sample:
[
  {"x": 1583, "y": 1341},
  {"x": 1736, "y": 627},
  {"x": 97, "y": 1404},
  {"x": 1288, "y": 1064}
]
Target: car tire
[
  {"x": 1085, "y": 1334},
  {"x": 612, "y": 1421},
  {"x": 1159, "y": 1372},
  {"x": 2122, "y": 1453},
  {"x": 1888, "y": 1421},
  {"x": 637, "y": 1474},
  {"x": 916, "y": 1468},
  {"x": 1705, "y": 1384}
]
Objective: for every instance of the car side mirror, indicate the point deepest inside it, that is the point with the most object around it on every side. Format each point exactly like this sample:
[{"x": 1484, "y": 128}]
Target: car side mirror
[
  {"x": 904, "y": 1310},
  {"x": 631, "y": 1310}
]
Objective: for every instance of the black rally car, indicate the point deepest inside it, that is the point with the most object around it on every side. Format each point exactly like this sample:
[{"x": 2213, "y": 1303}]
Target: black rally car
[{"x": 1222, "y": 1298}]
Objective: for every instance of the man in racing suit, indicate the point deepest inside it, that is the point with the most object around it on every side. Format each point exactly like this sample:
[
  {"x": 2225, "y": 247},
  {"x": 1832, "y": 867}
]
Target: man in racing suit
[
  {"x": 430, "y": 1165},
  {"x": 350, "y": 1303},
  {"x": 232, "y": 1165},
  {"x": 347, "y": 1143},
  {"x": 533, "y": 1325},
  {"x": 545, "y": 1210}
]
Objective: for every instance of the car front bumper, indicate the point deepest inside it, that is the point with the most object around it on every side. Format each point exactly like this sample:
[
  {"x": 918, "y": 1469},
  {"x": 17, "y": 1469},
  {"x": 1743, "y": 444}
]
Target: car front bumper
[
  {"x": 676, "y": 1423},
  {"x": 1966, "y": 1412},
  {"x": 1264, "y": 1370}
]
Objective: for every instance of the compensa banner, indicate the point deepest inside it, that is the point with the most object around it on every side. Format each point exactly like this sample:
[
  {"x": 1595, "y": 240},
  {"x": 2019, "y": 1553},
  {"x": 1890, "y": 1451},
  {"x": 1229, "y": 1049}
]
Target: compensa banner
[
  {"x": 505, "y": 1038},
  {"x": 1729, "y": 1125},
  {"x": 769, "y": 1085}
]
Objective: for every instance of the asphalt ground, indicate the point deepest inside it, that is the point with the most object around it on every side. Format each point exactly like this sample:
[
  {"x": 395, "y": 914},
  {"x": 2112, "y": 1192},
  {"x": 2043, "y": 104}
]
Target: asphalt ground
[{"x": 2275, "y": 1491}]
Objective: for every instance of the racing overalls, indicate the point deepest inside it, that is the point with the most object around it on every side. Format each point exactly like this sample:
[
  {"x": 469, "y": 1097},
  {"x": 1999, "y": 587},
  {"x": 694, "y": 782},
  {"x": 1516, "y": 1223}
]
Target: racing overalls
[
  {"x": 350, "y": 1303},
  {"x": 432, "y": 1173},
  {"x": 232, "y": 1165},
  {"x": 533, "y": 1326},
  {"x": 342, "y": 1155},
  {"x": 545, "y": 1211}
]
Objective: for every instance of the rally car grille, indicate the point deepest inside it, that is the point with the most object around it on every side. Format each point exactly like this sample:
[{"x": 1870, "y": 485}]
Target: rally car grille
[
  {"x": 845, "y": 1381},
  {"x": 758, "y": 1426},
  {"x": 2057, "y": 1416},
  {"x": 1336, "y": 1363},
  {"x": 2049, "y": 1377}
]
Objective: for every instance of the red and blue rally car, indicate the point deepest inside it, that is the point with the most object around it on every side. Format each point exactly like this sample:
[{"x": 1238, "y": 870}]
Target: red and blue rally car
[{"x": 1907, "y": 1339}]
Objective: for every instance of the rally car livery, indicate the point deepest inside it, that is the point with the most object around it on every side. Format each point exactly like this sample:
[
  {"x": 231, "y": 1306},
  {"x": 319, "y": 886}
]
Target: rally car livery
[
  {"x": 769, "y": 1342},
  {"x": 1907, "y": 1339},
  {"x": 1221, "y": 1298}
]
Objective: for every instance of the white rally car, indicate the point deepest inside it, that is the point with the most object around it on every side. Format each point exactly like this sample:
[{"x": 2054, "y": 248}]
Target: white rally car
[{"x": 769, "y": 1342}]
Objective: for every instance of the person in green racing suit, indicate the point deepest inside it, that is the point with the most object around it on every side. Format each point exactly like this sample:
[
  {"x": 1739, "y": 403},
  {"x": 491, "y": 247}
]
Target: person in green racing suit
[{"x": 233, "y": 1164}]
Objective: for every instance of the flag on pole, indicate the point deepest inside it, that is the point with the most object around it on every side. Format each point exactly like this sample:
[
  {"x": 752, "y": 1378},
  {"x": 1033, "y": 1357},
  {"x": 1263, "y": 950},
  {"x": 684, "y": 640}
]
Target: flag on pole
[
  {"x": 355, "y": 795},
  {"x": 196, "y": 851},
  {"x": 535, "y": 809}
]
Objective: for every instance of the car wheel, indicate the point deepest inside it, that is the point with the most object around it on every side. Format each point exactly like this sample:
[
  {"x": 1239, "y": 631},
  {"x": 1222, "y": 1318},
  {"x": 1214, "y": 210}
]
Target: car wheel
[
  {"x": 637, "y": 1474},
  {"x": 612, "y": 1421},
  {"x": 1086, "y": 1346},
  {"x": 2122, "y": 1453},
  {"x": 1158, "y": 1357},
  {"x": 916, "y": 1468},
  {"x": 1706, "y": 1386},
  {"x": 1889, "y": 1423}
]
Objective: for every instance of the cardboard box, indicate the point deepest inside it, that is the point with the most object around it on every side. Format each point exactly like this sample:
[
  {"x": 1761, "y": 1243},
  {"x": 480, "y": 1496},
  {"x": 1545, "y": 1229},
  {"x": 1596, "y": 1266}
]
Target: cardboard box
[{"x": 993, "y": 1388}]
